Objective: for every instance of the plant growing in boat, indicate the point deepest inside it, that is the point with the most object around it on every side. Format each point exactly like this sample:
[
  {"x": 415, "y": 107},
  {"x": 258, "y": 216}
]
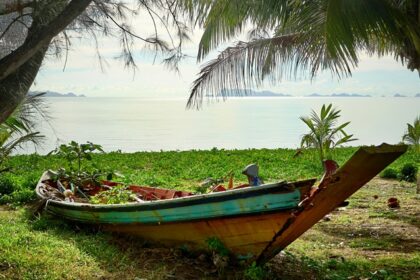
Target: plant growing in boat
[
  {"x": 324, "y": 132},
  {"x": 116, "y": 195},
  {"x": 76, "y": 154},
  {"x": 80, "y": 176}
]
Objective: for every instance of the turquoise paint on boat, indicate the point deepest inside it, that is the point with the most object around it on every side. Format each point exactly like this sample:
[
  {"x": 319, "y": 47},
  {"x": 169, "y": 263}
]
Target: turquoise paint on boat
[{"x": 249, "y": 205}]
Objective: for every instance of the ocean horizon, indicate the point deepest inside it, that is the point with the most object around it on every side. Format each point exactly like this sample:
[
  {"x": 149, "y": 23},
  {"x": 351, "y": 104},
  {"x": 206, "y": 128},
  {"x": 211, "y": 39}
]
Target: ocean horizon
[{"x": 131, "y": 124}]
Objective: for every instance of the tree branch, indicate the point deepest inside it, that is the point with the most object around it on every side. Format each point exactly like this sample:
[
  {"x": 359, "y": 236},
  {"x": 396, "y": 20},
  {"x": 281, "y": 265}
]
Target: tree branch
[
  {"x": 42, "y": 38},
  {"x": 17, "y": 19},
  {"x": 14, "y": 6}
]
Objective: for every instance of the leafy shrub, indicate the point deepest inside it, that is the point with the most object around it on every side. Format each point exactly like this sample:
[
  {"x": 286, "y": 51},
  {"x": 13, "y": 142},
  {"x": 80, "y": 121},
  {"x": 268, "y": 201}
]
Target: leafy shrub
[
  {"x": 389, "y": 173},
  {"x": 409, "y": 172},
  {"x": 6, "y": 186},
  {"x": 217, "y": 246},
  {"x": 30, "y": 182},
  {"x": 22, "y": 196},
  {"x": 116, "y": 195},
  {"x": 7, "y": 198},
  {"x": 255, "y": 272}
]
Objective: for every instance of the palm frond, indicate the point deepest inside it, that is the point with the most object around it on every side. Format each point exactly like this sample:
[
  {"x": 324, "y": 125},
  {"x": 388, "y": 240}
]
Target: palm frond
[
  {"x": 246, "y": 64},
  {"x": 224, "y": 19},
  {"x": 26, "y": 115},
  {"x": 412, "y": 135},
  {"x": 324, "y": 134},
  {"x": 12, "y": 145},
  {"x": 308, "y": 37}
]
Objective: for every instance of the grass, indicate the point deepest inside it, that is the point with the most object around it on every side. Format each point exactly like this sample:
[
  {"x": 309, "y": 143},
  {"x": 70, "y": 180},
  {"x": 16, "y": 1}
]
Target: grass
[{"x": 367, "y": 240}]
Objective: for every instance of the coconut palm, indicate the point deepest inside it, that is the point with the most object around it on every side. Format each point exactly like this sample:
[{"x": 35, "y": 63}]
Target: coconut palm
[
  {"x": 412, "y": 135},
  {"x": 324, "y": 132},
  {"x": 292, "y": 37},
  {"x": 18, "y": 129}
]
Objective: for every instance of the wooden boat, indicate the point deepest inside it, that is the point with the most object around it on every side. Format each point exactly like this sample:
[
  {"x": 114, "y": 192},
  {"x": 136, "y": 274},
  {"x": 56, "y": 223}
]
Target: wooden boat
[{"x": 253, "y": 223}]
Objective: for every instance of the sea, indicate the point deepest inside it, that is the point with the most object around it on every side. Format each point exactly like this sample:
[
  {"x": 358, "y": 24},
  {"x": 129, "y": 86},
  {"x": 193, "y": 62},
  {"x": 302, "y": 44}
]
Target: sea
[{"x": 153, "y": 124}]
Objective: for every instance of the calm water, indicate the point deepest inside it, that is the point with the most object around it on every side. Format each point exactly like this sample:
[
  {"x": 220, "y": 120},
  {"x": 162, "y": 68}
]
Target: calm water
[{"x": 135, "y": 124}]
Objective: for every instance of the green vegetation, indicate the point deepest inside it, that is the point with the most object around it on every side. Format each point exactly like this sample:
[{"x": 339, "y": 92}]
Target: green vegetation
[
  {"x": 76, "y": 154},
  {"x": 409, "y": 172},
  {"x": 366, "y": 241},
  {"x": 379, "y": 244},
  {"x": 255, "y": 272},
  {"x": 116, "y": 195},
  {"x": 291, "y": 38},
  {"x": 325, "y": 135},
  {"x": 412, "y": 135},
  {"x": 18, "y": 129},
  {"x": 81, "y": 169},
  {"x": 389, "y": 173},
  {"x": 174, "y": 169},
  {"x": 217, "y": 246}
]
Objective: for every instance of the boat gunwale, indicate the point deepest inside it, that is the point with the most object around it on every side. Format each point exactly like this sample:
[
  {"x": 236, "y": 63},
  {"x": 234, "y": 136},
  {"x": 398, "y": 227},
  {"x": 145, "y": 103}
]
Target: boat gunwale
[{"x": 174, "y": 202}]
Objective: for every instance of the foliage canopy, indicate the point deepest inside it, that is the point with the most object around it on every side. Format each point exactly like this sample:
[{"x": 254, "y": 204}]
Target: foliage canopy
[{"x": 293, "y": 37}]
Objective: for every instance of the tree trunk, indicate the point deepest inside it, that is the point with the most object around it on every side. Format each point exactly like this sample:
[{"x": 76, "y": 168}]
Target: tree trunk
[
  {"x": 16, "y": 85},
  {"x": 418, "y": 184},
  {"x": 19, "y": 69}
]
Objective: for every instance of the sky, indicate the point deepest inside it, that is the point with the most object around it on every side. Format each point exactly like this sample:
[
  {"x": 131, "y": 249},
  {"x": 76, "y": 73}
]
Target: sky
[{"x": 83, "y": 74}]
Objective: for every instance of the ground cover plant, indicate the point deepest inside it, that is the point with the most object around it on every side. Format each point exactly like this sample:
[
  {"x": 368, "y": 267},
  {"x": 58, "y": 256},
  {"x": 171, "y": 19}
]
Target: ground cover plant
[
  {"x": 186, "y": 169},
  {"x": 366, "y": 241}
]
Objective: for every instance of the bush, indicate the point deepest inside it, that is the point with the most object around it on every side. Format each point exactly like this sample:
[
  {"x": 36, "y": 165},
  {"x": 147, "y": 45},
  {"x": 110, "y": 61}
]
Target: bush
[
  {"x": 389, "y": 173},
  {"x": 18, "y": 197},
  {"x": 255, "y": 272},
  {"x": 409, "y": 172},
  {"x": 6, "y": 186},
  {"x": 30, "y": 183}
]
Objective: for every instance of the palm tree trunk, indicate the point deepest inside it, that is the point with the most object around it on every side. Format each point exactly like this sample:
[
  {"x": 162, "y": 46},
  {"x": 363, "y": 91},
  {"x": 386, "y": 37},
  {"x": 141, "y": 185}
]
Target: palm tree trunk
[{"x": 418, "y": 185}]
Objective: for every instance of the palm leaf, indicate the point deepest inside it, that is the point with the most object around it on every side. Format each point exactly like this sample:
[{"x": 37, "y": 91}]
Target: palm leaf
[
  {"x": 245, "y": 65},
  {"x": 308, "y": 37},
  {"x": 12, "y": 145}
]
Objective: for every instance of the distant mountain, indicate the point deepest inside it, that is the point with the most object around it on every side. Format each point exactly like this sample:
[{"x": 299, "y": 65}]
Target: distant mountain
[
  {"x": 399, "y": 95},
  {"x": 252, "y": 93},
  {"x": 56, "y": 94},
  {"x": 417, "y": 95},
  {"x": 344, "y": 94}
]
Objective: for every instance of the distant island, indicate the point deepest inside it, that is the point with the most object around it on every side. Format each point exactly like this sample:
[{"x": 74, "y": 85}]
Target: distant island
[
  {"x": 56, "y": 94},
  {"x": 344, "y": 94},
  {"x": 417, "y": 95},
  {"x": 399, "y": 95},
  {"x": 251, "y": 93}
]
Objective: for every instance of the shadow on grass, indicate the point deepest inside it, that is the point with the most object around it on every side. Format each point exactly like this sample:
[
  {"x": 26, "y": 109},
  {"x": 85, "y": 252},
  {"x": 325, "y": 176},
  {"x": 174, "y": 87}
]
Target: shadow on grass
[
  {"x": 124, "y": 257},
  {"x": 413, "y": 219},
  {"x": 293, "y": 267},
  {"x": 373, "y": 237}
]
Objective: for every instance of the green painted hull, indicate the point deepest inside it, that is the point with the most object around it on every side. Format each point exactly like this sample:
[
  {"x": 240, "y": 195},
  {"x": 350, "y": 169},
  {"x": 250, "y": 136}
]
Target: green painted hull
[{"x": 246, "y": 201}]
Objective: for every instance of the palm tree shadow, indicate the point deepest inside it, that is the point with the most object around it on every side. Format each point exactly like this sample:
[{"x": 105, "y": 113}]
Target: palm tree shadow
[{"x": 373, "y": 237}]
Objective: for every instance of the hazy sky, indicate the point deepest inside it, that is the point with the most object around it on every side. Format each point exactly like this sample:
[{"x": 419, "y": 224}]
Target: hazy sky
[{"x": 83, "y": 74}]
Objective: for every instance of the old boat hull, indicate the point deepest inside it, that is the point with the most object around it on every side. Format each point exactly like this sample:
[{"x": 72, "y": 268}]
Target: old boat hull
[
  {"x": 253, "y": 223},
  {"x": 245, "y": 236},
  {"x": 251, "y": 200}
]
